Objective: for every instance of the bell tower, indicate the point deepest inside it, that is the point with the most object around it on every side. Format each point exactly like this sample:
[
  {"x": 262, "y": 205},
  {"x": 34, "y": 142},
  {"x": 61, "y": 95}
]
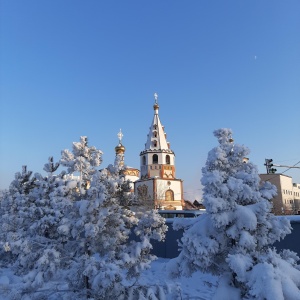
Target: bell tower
[{"x": 157, "y": 168}]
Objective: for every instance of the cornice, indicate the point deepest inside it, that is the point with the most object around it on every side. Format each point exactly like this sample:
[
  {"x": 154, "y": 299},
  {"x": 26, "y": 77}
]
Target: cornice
[{"x": 157, "y": 151}]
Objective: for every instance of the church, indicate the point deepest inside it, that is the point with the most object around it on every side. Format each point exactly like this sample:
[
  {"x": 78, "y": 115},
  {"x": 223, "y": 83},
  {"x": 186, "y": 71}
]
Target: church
[{"x": 155, "y": 183}]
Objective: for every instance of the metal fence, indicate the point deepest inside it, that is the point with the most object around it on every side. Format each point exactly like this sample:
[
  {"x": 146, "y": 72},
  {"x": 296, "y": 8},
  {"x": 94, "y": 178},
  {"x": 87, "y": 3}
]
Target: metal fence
[{"x": 169, "y": 248}]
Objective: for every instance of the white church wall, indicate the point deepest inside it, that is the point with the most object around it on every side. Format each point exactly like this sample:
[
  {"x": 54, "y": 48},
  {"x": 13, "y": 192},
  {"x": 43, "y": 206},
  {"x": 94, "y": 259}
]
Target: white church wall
[{"x": 164, "y": 185}]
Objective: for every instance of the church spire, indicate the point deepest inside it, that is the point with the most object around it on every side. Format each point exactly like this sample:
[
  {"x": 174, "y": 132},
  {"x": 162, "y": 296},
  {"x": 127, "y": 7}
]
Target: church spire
[{"x": 156, "y": 139}]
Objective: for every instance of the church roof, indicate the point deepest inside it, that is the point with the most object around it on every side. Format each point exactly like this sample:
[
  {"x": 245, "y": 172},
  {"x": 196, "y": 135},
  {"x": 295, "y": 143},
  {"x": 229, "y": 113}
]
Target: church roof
[{"x": 156, "y": 139}]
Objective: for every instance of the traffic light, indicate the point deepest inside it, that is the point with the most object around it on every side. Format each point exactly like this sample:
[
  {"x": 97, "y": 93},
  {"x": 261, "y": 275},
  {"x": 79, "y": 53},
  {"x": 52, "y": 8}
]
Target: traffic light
[{"x": 269, "y": 166}]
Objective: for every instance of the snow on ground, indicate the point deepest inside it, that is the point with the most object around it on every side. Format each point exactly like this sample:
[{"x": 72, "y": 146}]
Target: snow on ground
[{"x": 198, "y": 287}]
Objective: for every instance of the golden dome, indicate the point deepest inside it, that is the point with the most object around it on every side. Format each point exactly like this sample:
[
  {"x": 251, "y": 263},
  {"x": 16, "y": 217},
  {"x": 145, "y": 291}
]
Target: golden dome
[{"x": 120, "y": 149}]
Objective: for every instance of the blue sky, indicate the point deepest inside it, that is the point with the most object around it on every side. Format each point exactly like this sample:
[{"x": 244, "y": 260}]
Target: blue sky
[{"x": 72, "y": 68}]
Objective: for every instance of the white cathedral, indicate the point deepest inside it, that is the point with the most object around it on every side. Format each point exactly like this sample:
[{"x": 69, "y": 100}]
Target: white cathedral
[{"x": 156, "y": 181}]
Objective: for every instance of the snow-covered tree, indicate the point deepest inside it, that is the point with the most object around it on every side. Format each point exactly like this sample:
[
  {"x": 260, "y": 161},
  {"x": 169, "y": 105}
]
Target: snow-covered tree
[
  {"x": 23, "y": 182},
  {"x": 107, "y": 261},
  {"x": 14, "y": 206},
  {"x": 86, "y": 238},
  {"x": 83, "y": 159},
  {"x": 33, "y": 246},
  {"x": 50, "y": 167},
  {"x": 9, "y": 225},
  {"x": 234, "y": 239},
  {"x": 123, "y": 188}
]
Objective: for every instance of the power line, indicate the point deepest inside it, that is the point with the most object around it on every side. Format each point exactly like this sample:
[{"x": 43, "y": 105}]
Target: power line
[{"x": 289, "y": 167}]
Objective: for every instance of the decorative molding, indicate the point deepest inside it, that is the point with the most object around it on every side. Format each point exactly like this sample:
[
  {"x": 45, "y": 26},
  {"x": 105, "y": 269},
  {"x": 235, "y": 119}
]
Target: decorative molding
[
  {"x": 169, "y": 151},
  {"x": 131, "y": 172}
]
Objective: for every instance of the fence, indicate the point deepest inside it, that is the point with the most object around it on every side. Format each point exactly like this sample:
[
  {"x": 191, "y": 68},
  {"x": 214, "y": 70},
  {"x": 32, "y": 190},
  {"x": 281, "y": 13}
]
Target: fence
[{"x": 169, "y": 248}]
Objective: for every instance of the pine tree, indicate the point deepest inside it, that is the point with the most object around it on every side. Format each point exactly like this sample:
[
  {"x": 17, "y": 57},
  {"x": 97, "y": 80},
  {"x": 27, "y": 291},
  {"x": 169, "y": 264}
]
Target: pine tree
[
  {"x": 15, "y": 207},
  {"x": 54, "y": 231},
  {"x": 23, "y": 182},
  {"x": 31, "y": 226},
  {"x": 83, "y": 159},
  {"x": 50, "y": 167},
  {"x": 106, "y": 258},
  {"x": 9, "y": 224},
  {"x": 234, "y": 239}
]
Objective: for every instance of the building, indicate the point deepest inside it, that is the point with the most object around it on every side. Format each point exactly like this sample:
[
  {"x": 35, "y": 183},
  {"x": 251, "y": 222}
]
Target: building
[
  {"x": 158, "y": 185},
  {"x": 287, "y": 201}
]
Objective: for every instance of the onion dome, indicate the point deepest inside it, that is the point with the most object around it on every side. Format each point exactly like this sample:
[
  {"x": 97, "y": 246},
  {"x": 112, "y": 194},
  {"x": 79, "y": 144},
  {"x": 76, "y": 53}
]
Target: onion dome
[{"x": 120, "y": 149}]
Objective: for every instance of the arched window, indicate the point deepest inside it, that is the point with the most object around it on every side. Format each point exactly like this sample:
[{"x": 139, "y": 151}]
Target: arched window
[
  {"x": 167, "y": 159},
  {"x": 155, "y": 159},
  {"x": 144, "y": 160},
  {"x": 169, "y": 195},
  {"x": 155, "y": 143},
  {"x": 155, "y": 133}
]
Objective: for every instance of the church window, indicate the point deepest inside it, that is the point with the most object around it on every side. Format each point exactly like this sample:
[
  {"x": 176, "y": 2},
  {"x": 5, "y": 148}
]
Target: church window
[
  {"x": 167, "y": 159},
  {"x": 144, "y": 160},
  {"x": 155, "y": 133},
  {"x": 169, "y": 195},
  {"x": 155, "y": 143},
  {"x": 155, "y": 159}
]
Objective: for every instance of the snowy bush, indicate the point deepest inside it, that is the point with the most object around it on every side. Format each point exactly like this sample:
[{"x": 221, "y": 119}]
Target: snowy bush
[{"x": 234, "y": 239}]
